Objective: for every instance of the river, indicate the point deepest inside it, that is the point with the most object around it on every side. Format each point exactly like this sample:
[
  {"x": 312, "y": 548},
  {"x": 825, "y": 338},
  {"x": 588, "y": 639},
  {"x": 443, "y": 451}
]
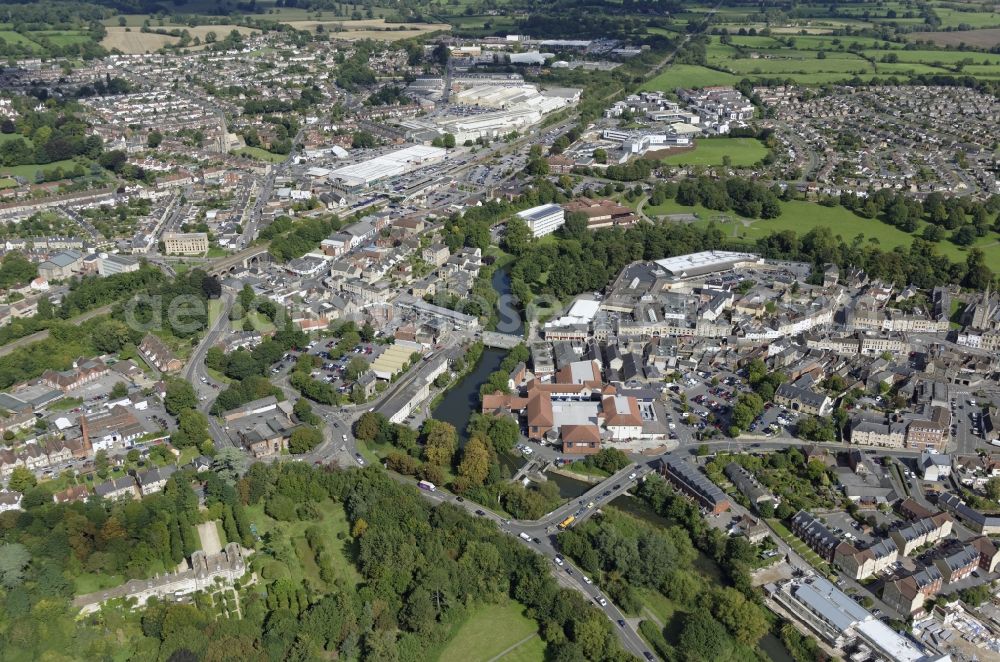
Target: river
[{"x": 462, "y": 400}]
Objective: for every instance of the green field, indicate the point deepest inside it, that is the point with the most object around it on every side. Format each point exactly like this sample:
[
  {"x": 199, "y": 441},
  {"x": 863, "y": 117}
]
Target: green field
[
  {"x": 262, "y": 154},
  {"x": 801, "y": 216},
  {"x": 28, "y": 171},
  {"x": 61, "y": 37},
  {"x": 489, "y": 631},
  {"x": 7, "y": 182},
  {"x": 689, "y": 75},
  {"x": 16, "y": 39},
  {"x": 952, "y": 18},
  {"x": 711, "y": 151}
]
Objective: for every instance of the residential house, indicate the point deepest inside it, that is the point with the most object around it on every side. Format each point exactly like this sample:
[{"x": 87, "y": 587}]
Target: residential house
[
  {"x": 989, "y": 553},
  {"x": 959, "y": 564},
  {"x": 158, "y": 355},
  {"x": 907, "y": 595},
  {"x": 10, "y": 500},
  {"x": 154, "y": 480},
  {"x": 751, "y": 528},
  {"x": 685, "y": 477},
  {"x": 117, "y": 488},
  {"x": 71, "y": 494},
  {"x": 816, "y": 535},
  {"x": 934, "y": 466},
  {"x": 748, "y": 486},
  {"x": 921, "y": 532},
  {"x": 861, "y": 564}
]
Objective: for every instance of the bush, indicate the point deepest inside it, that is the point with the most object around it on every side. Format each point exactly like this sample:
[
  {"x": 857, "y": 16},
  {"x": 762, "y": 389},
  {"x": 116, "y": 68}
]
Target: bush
[
  {"x": 281, "y": 508},
  {"x": 655, "y": 637}
]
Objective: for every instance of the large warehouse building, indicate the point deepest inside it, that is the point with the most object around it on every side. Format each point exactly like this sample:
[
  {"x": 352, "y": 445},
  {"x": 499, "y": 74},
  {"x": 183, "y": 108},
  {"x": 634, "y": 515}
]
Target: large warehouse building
[{"x": 393, "y": 164}]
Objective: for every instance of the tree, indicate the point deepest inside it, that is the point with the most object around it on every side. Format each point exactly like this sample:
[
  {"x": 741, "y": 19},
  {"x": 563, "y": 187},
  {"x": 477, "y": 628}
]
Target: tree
[
  {"x": 154, "y": 139},
  {"x": 119, "y": 391},
  {"x": 179, "y": 395},
  {"x": 304, "y": 438},
  {"x": 440, "y": 442},
  {"x": 743, "y": 618},
  {"x": 475, "y": 464},
  {"x": 517, "y": 237},
  {"x": 368, "y": 426},
  {"x": 703, "y": 638},
  {"x": 355, "y": 368},
  {"x": 21, "y": 479},
  {"x": 992, "y": 488},
  {"x": 192, "y": 429},
  {"x": 14, "y": 558}
]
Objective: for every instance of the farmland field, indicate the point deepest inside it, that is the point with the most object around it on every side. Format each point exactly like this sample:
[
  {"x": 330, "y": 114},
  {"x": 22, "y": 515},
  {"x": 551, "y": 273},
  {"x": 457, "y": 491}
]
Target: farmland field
[
  {"x": 17, "y": 39},
  {"x": 987, "y": 38},
  {"x": 952, "y": 18},
  {"x": 134, "y": 41},
  {"x": 689, "y": 75},
  {"x": 710, "y": 151},
  {"x": 61, "y": 37},
  {"x": 370, "y": 29}
]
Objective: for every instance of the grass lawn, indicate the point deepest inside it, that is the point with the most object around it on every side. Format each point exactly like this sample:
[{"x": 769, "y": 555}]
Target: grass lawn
[
  {"x": 262, "y": 154},
  {"x": 533, "y": 650},
  {"x": 28, "y": 171},
  {"x": 17, "y": 39},
  {"x": 66, "y": 404},
  {"x": 689, "y": 75},
  {"x": 7, "y": 182},
  {"x": 800, "y": 547},
  {"x": 90, "y": 582},
  {"x": 187, "y": 455},
  {"x": 487, "y": 632},
  {"x": 581, "y": 468},
  {"x": 711, "y": 151},
  {"x": 661, "y": 606}
]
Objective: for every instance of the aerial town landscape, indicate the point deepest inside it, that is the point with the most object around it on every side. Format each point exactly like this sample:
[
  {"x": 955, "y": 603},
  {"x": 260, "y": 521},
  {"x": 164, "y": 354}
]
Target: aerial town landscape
[{"x": 500, "y": 331}]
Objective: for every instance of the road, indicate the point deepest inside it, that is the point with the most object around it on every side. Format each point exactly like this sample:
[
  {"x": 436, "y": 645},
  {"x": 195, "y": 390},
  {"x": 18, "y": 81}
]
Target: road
[
  {"x": 196, "y": 374},
  {"x": 542, "y": 539}
]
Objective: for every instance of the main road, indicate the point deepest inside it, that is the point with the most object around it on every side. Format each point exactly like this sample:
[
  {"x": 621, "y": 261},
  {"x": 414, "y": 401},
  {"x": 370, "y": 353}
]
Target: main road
[{"x": 540, "y": 536}]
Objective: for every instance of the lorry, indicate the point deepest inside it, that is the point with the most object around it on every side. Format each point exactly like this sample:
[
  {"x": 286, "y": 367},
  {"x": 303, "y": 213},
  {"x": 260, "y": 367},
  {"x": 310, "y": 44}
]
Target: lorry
[
  {"x": 427, "y": 485},
  {"x": 566, "y": 523}
]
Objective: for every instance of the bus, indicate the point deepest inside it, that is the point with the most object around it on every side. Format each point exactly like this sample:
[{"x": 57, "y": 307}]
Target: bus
[
  {"x": 566, "y": 523},
  {"x": 427, "y": 485}
]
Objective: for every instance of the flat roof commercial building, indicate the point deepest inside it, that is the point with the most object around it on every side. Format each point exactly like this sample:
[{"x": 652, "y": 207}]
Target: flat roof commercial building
[
  {"x": 393, "y": 164},
  {"x": 543, "y": 219},
  {"x": 706, "y": 262}
]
